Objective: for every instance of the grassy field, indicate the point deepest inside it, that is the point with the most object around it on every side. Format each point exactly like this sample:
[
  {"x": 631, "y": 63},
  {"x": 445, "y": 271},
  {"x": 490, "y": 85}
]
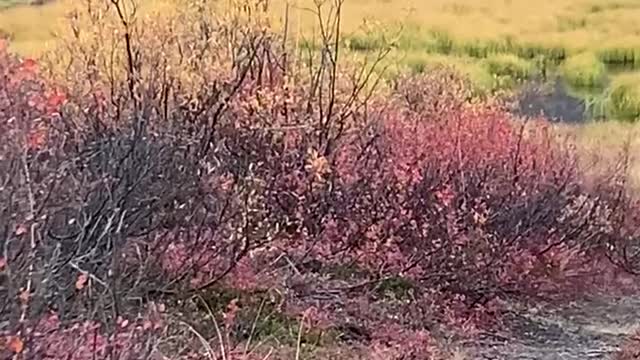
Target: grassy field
[
  {"x": 475, "y": 28},
  {"x": 593, "y": 44},
  {"x": 32, "y": 28}
]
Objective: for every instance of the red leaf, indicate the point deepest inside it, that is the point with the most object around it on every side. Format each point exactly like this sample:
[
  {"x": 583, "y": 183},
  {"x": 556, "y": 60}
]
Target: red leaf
[
  {"x": 15, "y": 344},
  {"x": 21, "y": 229},
  {"x": 81, "y": 282},
  {"x": 29, "y": 65}
]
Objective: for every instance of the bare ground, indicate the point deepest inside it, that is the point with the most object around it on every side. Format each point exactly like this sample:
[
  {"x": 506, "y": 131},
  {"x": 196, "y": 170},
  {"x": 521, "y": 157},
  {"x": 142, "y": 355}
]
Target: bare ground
[{"x": 592, "y": 328}]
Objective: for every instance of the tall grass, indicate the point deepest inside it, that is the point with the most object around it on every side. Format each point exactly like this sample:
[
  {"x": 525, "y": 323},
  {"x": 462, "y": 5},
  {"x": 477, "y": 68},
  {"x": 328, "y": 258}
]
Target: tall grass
[
  {"x": 584, "y": 70},
  {"x": 477, "y": 28},
  {"x": 511, "y": 66},
  {"x": 624, "y": 97}
]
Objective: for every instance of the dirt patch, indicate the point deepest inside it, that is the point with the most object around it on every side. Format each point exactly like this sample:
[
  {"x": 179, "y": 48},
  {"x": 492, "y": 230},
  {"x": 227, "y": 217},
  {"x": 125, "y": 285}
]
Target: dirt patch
[{"x": 588, "y": 329}]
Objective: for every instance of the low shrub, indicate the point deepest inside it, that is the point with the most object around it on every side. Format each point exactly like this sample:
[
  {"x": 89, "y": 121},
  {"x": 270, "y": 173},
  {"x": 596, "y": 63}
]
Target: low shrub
[
  {"x": 188, "y": 153},
  {"x": 584, "y": 70},
  {"x": 452, "y": 200}
]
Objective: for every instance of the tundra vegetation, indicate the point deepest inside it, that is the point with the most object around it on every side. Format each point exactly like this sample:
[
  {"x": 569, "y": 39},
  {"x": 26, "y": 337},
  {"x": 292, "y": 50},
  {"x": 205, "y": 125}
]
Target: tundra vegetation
[
  {"x": 198, "y": 184},
  {"x": 586, "y": 44}
]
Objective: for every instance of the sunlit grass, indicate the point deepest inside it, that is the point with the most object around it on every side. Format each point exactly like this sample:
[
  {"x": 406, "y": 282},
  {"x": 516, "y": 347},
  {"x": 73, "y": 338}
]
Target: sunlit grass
[
  {"x": 496, "y": 43},
  {"x": 585, "y": 70},
  {"x": 601, "y": 143},
  {"x": 478, "y": 28},
  {"x": 32, "y": 28},
  {"x": 480, "y": 77},
  {"x": 624, "y": 97},
  {"x": 510, "y": 65},
  {"x": 558, "y": 28}
]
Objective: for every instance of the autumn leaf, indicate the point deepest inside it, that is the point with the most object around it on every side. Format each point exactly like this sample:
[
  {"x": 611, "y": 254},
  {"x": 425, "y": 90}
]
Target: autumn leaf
[
  {"x": 24, "y": 296},
  {"x": 3, "y": 263},
  {"x": 21, "y": 229},
  {"x": 36, "y": 139},
  {"x": 29, "y": 65},
  {"x": 56, "y": 99},
  {"x": 82, "y": 280},
  {"x": 317, "y": 164},
  {"x": 15, "y": 344},
  {"x": 231, "y": 313}
]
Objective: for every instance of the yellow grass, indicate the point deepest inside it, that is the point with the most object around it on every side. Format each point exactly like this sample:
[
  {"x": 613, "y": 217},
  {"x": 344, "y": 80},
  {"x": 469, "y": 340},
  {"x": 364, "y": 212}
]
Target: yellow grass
[
  {"x": 600, "y": 25},
  {"x": 456, "y": 28},
  {"x": 570, "y": 24},
  {"x": 32, "y": 28},
  {"x": 425, "y": 31},
  {"x": 601, "y": 144}
]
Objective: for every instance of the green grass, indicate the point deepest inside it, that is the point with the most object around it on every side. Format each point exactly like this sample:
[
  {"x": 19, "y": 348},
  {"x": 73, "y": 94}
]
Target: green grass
[
  {"x": 585, "y": 71},
  {"x": 509, "y": 65},
  {"x": 479, "y": 28},
  {"x": 624, "y": 97},
  {"x": 419, "y": 62},
  {"x": 5, "y": 4}
]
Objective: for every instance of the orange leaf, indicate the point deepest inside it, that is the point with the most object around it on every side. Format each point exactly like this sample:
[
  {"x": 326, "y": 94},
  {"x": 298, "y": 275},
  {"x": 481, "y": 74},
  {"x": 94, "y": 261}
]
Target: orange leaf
[
  {"x": 81, "y": 282},
  {"x": 15, "y": 344}
]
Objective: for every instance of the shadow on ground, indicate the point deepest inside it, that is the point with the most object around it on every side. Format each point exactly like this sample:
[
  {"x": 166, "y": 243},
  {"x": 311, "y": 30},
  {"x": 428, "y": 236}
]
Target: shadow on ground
[{"x": 552, "y": 101}]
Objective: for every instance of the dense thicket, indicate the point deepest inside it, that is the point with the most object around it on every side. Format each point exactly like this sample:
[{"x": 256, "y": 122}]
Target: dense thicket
[{"x": 155, "y": 161}]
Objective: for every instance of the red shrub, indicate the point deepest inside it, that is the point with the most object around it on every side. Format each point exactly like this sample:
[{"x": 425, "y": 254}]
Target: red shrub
[
  {"x": 630, "y": 348},
  {"x": 27, "y": 104},
  {"x": 468, "y": 200}
]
